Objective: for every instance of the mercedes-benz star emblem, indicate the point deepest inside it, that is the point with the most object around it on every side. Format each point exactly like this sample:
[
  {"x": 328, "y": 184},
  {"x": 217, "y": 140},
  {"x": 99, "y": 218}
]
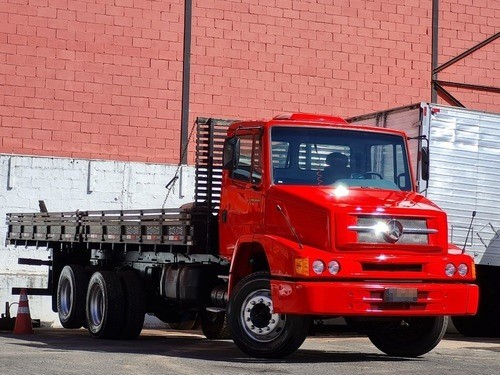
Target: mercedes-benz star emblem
[{"x": 394, "y": 231}]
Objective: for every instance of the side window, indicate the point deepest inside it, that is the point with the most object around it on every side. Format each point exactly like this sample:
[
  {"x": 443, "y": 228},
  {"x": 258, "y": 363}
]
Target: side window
[
  {"x": 281, "y": 158},
  {"x": 249, "y": 165}
]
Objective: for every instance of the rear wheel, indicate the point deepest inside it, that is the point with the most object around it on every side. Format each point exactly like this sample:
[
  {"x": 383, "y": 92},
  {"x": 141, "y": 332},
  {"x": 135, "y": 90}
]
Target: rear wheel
[
  {"x": 410, "y": 337},
  {"x": 255, "y": 328},
  {"x": 214, "y": 325},
  {"x": 71, "y": 292},
  {"x": 105, "y": 305},
  {"x": 135, "y": 304}
]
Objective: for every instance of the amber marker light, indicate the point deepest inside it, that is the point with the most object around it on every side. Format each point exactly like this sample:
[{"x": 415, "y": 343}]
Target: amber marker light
[{"x": 302, "y": 266}]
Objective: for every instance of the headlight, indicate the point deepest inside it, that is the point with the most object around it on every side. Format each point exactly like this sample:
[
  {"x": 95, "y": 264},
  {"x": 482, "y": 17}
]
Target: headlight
[
  {"x": 318, "y": 267},
  {"x": 462, "y": 269},
  {"x": 450, "y": 269},
  {"x": 333, "y": 267}
]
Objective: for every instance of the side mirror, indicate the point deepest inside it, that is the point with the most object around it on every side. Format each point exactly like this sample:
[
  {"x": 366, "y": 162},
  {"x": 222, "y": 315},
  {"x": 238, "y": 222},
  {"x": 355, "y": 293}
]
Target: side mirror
[
  {"x": 231, "y": 153},
  {"x": 425, "y": 163}
]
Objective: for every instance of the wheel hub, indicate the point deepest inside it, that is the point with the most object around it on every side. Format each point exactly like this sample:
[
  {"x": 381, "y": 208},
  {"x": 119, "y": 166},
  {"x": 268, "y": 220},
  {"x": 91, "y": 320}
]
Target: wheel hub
[
  {"x": 65, "y": 298},
  {"x": 96, "y": 305},
  {"x": 258, "y": 319},
  {"x": 260, "y": 315}
]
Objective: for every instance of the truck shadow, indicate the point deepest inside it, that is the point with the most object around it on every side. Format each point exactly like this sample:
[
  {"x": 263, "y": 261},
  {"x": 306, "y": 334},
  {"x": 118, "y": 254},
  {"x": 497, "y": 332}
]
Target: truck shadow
[
  {"x": 186, "y": 344},
  {"x": 491, "y": 344}
]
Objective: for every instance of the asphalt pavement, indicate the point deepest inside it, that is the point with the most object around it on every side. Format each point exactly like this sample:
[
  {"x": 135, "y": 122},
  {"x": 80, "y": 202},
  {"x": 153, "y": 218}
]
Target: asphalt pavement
[{"x": 60, "y": 351}]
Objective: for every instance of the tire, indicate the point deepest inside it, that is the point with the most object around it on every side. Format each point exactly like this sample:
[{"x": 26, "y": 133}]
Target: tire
[
  {"x": 471, "y": 326},
  {"x": 410, "y": 337},
  {"x": 105, "y": 305},
  {"x": 71, "y": 292},
  {"x": 135, "y": 304},
  {"x": 485, "y": 323},
  {"x": 255, "y": 329},
  {"x": 214, "y": 325}
]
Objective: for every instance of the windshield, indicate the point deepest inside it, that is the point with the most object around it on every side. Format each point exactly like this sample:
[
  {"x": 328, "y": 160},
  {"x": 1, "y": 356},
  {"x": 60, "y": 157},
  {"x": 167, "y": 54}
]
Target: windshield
[{"x": 315, "y": 156}]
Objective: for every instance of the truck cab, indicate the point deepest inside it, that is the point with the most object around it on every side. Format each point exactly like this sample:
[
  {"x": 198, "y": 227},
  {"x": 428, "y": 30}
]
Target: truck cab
[{"x": 323, "y": 219}]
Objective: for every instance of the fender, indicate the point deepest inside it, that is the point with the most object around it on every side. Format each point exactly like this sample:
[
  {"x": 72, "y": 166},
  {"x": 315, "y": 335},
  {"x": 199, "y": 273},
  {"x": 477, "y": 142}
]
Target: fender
[{"x": 263, "y": 252}]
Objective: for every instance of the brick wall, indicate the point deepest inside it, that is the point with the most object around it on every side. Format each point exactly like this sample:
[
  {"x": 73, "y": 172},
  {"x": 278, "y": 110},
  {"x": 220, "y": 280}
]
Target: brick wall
[{"x": 102, "y": 78}]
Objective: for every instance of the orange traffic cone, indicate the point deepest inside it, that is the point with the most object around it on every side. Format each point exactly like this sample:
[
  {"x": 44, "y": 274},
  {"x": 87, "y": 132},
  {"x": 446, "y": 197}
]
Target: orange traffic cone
[{"x": 23, "y": 320}]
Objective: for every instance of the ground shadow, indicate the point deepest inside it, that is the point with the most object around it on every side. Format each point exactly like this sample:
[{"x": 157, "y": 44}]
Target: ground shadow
[
  {"x": 186, "y": 344},
  {"x": 482, "y": 340}
]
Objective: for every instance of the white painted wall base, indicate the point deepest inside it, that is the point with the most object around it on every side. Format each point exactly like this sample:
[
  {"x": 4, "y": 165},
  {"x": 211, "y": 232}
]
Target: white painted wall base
[{"x": 68, "y": 185}]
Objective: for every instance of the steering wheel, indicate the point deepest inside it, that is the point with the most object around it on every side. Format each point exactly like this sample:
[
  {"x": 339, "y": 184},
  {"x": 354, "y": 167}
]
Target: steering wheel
[{"x": 367, "y": 175}]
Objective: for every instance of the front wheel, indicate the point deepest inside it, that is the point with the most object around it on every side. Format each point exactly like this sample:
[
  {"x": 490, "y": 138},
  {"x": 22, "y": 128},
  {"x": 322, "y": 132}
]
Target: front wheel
[
  {"x": 410, "y": 337},
  {"x": 255, "y": 328}
]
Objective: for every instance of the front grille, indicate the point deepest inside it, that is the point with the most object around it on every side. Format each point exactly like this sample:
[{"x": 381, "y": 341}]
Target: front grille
[{"x": 415, "y": 231}]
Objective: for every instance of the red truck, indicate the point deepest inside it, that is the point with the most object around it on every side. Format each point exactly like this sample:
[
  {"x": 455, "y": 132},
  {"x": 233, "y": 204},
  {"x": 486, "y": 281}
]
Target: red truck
[{"x": 300, "y": 217}]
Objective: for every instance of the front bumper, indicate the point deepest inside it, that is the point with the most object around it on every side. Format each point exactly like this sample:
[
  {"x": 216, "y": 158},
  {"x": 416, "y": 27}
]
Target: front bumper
[{"x": 367, "y": 298}]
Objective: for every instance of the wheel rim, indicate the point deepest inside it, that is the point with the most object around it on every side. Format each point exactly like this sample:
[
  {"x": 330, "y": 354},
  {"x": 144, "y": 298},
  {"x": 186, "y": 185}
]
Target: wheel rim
[
  {"x": 258, "y": 318},
  {"x": 65, "y": 297},
  {"x": 96, "y": 305}
]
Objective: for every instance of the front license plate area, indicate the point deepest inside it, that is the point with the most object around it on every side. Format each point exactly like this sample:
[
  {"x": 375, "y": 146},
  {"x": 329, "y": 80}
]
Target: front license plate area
[{"x": 400, "y": 295}]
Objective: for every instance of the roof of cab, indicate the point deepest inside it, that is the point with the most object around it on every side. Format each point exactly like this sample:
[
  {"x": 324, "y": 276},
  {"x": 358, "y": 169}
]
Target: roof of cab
[{"x": 309, "y": 119}]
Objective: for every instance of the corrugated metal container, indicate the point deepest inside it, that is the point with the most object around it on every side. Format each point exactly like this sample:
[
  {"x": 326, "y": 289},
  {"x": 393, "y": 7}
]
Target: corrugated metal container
[
  {"x": 407, "y": 119},
  {"x": 465, "y": 175},
  {"x": 464, "y": 169}
]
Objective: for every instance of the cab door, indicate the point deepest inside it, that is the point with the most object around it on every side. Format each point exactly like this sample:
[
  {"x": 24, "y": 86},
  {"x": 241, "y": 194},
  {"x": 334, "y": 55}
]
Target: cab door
[{"x": 242, "y": 197}]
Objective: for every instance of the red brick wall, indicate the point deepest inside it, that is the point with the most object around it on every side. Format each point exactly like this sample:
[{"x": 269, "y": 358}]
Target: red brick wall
[
  {"x": 102, "y": 78},
  {"x": 91, "y": 78}
]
